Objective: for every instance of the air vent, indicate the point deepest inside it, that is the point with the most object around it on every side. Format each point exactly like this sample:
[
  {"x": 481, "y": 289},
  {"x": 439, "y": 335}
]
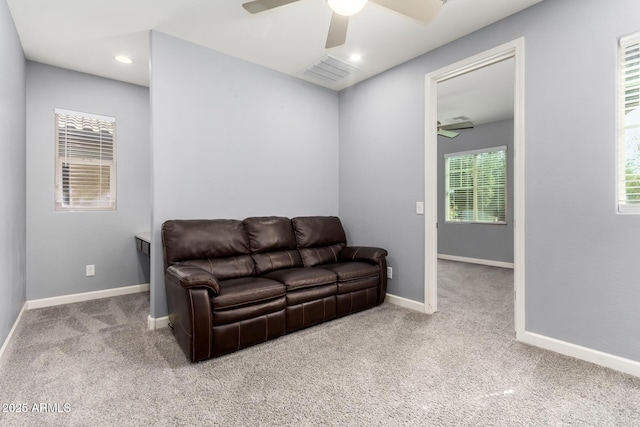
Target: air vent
[{"x": 330, "y": 69}]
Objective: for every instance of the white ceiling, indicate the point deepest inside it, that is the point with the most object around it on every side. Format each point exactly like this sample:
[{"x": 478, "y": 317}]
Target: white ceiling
[
  {"x": 484, "y": 95},
  {"x": 85, "y": 35}
]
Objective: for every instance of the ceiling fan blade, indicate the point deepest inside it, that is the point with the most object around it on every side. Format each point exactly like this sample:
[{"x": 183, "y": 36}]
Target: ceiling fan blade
[
  {"x": 337, "y": 30},
  {"x": 420, "y": 10},
  {"x": 262, "y": 5},
  {"x": 448, "y": 133},
  {"x": 460, "y": 125}
]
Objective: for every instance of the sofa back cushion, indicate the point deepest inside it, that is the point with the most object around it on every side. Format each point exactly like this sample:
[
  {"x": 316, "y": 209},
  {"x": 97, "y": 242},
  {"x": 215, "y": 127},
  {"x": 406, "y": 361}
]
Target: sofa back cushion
[
  {"x": 224, "y": 268},
  {"x": 219, "y": 246},
  {"x": 319, "y": 238},
  {"x": 272, "y": 243}
]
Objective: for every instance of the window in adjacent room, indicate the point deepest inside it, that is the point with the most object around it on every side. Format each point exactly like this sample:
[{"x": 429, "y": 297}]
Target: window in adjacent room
[
  {"x": 629, "y": 125},
  {"x": 85, "y": 162},
  {"x": 476, "y": 186}
]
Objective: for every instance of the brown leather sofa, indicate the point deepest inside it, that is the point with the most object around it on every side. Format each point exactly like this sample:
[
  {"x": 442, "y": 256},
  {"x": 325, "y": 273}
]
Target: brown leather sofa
[{"x": 232, "y": 284}]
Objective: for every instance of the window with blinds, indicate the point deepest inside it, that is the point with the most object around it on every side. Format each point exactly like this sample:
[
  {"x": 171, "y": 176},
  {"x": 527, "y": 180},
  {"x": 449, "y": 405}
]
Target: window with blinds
[
  {"x": 629, "y": 125},
  {"x": 476, "y": 186},
  {"x": 85, "y": 162}
]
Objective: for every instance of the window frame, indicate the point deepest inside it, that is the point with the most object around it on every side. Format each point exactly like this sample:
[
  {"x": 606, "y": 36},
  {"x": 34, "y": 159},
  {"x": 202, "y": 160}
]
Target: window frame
[
  {"x": 621, "y": 175},
  {"x": 475, "y": 153},
  {"x": 101, "y": 205}
]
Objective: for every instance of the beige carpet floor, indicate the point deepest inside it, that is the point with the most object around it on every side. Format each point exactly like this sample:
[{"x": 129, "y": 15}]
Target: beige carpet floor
[{"x": 95, "y": 364}]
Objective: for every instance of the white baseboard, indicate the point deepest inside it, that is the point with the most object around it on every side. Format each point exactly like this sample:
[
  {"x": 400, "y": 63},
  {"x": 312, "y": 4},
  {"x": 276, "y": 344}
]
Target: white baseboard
[
  {"x": 86, "y": 296},
  {"x": 406, "y": 303},
  {"x": 489, "y": 262},
  {"x": 600, "y": 358},
  {"x": 9, "y": 338},
  {"x": 154, "y": 323}
]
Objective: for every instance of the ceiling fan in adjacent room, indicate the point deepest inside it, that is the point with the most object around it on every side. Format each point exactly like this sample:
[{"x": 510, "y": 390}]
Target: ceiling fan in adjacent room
[
  {"x": 455, "y": 123},
  {"x": 421, "y": 10}
]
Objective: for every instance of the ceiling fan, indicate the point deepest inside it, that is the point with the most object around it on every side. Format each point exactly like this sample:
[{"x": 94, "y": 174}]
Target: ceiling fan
[
  {"x": 455, "y": 123},
  {"x": 421, "y": 10}
]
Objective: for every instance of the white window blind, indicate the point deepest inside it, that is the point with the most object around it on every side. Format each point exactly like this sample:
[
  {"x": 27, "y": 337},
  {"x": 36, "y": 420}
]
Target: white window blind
[
  {"x": 476, "y": 186},
  {"x": 85, "y": 161},
  {"x": 629, "y": 125}
]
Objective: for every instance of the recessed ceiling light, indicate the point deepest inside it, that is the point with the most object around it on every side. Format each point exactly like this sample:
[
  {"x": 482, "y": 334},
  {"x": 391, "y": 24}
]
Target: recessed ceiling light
[
  {"x": 355, "y": 57},
  {"x": 123, "y": 59}
]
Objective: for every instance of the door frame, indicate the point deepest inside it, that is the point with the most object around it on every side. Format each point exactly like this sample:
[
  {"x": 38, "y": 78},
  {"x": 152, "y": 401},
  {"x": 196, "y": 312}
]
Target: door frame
[{"x": 513, "y": 49}]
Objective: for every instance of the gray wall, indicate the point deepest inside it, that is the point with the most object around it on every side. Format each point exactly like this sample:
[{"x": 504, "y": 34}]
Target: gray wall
[
  {"x": 60, "y": 244},
  {"x": 382, "y": 171},
  {"x": 12, "y": 175},
  {"x": 231, "y": 140},
  {"x": 582, "y": 265},
  {"x": 482, "y": 241}
]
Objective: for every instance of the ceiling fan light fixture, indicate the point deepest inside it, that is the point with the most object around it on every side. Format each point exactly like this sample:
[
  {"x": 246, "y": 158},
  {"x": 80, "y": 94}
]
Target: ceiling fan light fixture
[
  {"x": 123, "y": 59},
  {"x": 346, "y": 7}
]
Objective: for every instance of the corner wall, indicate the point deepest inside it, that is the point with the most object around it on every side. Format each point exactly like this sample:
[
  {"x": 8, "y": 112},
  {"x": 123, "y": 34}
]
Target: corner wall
[
  {"x": 231, "y": 140},
  {"x": 60, "y": 244},
  {"x": 12, "y": 175}
]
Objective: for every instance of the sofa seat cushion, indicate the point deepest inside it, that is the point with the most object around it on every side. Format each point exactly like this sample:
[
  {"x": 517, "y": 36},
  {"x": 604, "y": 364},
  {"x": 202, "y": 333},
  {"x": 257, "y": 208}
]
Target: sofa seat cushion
[
  {"x": 300, "y": 296},
  {"x": 227, "y": 316},
  {"x": 303, "y": 277},
  {"x": 352, "y": 270},
  {"x": 246, "y": 290},
  {"x": 357, "y": 285}
]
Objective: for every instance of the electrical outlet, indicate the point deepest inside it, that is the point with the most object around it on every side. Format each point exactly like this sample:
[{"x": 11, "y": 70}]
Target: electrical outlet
[
  {"x": 420, "y": 208},
  {"x": 389, "y": 273},
  {"x": 90, "y": 270}
]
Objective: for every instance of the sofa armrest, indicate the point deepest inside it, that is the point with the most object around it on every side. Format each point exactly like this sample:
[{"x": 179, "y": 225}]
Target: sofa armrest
[
  {"x": 192, "y": 277},
  {"x": 189, "y": 304},
  {"x": 363, "y": 253},
  {"x": 373, "y": 255}
]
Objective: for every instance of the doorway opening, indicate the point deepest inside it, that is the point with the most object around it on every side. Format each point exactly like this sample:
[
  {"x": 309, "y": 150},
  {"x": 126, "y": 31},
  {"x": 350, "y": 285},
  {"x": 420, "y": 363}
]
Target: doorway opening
[{"x": 509, "y": 51}]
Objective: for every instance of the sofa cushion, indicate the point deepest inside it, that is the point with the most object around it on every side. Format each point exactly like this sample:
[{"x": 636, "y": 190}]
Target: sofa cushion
[
  {"x": 203, "y": 239},
  {"x": 300, "y": 296},
  {"x": 246, "y": 290},
  {"x": 357, "y": 285},
  {"x": 269, "y": 233},
  {"x": 353, "y": 270},
  {"x": 316, "y": 231},
  {"x": 303, "y": 277},
  {"x": 320, "y": 255},
  {"x": 225, "y": 316},
  {"x": 272, "y": 243},
  {"x": 224, "y": 268},
  {"x": 276, "y": 260}
]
